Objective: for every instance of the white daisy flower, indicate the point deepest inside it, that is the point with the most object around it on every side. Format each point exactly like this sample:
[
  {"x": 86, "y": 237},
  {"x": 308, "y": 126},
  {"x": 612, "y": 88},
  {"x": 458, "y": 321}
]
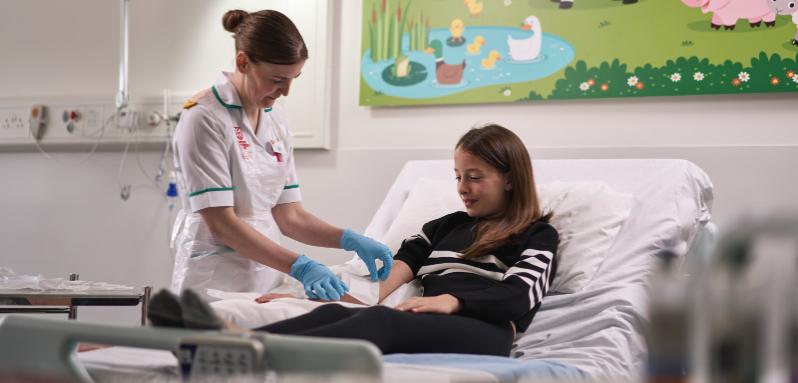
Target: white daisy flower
[
  {"x": 584, "y": 86},
  {"x": 698, "y": 76},
  {"x": 508, "y": 2},
  {"x": 632, "y": 81},
  {"x": 507, "y": 92},
  {"x": 744, "y": 76},
  {"x": 676, "y": 77}
]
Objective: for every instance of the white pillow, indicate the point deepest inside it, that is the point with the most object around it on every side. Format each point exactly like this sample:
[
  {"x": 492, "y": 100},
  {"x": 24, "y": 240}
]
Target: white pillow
[{"x": 587, "y": 215}]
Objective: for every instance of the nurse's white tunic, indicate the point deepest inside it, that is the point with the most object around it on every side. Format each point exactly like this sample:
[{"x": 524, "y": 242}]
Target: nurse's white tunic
[{"x": 220, "y": 161}]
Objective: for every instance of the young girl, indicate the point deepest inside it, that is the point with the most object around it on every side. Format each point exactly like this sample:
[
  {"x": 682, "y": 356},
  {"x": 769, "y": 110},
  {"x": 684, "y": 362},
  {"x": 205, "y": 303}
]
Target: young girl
[{"x": 484, "y": 271}]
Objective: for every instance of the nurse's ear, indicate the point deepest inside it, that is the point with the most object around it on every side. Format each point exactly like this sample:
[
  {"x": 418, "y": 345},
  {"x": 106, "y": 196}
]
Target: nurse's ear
[{"x": 242, "y": 62}]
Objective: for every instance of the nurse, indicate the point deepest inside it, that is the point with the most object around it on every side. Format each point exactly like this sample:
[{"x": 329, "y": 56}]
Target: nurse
[{"x": 235, "y": 163}]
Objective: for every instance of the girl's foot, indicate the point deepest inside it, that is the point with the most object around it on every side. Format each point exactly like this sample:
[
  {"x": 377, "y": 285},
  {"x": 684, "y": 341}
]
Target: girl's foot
[
  {"x": 198, "y": 314},
  {"x": 164, "y": 310}
]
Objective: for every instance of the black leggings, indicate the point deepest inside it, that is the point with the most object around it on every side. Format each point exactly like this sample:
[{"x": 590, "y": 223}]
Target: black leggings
[{"x": 395, "y": 331}]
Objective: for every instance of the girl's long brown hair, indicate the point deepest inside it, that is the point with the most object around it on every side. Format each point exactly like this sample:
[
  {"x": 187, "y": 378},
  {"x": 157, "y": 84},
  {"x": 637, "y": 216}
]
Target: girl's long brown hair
[{"x": 503, "y": 150}]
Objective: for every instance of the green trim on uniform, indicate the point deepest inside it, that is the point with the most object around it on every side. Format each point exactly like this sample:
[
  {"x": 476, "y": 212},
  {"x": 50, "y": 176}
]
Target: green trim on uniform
[
  {"x": 291, "y": 187},
  {"x": 267, "y": 110},
  {"x": 198, "y": 192},
  {"x": 219, "y": 98}
]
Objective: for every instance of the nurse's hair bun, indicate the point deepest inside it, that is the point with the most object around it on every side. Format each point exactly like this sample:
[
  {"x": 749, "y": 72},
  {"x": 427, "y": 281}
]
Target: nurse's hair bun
[{"x": 232, "y": 19}]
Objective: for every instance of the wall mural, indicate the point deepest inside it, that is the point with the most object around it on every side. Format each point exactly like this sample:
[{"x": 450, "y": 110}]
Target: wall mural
[{"x": 479, "y": 51}]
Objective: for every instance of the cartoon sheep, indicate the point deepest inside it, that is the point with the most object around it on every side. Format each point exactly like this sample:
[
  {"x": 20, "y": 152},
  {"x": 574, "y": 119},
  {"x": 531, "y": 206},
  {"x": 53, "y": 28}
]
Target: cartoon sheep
[{"x": 786, "y": 7}]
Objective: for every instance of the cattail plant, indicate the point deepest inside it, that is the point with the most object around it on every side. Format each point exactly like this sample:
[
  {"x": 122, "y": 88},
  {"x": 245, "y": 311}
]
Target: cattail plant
[
  {"x": 386, "y": 28},
  {"x": 419, "y": 33}
]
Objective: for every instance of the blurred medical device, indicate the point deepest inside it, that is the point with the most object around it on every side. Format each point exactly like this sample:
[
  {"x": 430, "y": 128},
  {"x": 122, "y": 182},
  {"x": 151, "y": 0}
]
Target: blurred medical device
[{"x": 731, "y": 317}]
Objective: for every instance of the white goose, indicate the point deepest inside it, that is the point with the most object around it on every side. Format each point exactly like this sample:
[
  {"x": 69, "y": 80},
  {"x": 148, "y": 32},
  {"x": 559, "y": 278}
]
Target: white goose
[{"x": 529, "y": 48}]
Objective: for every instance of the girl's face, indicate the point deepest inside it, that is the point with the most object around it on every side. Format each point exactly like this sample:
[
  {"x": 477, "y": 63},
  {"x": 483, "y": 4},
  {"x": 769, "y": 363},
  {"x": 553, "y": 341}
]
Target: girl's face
[
  {"x": 483, "y": 189},
  {"x": 267, "y": 82}
]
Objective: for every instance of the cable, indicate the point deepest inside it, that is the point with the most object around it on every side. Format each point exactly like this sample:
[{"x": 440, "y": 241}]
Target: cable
[
  {"x": 38, "y": 147},
  {"x": 152, "y": 180},
  {"x": 99, "y": 138},
  {"x": 124, "y": 188}
]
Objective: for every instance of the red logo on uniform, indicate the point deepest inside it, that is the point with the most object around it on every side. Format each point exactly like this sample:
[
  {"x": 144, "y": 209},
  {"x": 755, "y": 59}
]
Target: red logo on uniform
[{"x": 242, "y": 143}]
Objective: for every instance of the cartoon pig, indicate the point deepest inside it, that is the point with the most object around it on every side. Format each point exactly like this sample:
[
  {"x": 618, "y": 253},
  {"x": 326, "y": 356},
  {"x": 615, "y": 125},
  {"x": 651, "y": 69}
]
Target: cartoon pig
[{"x": 725, "y": 13}]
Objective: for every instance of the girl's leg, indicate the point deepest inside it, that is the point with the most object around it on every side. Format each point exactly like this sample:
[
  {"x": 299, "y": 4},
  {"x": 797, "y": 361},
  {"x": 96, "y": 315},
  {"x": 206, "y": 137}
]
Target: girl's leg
[
  {"x": 396, "y": 331},
  {"x": 319, "y": 316}
]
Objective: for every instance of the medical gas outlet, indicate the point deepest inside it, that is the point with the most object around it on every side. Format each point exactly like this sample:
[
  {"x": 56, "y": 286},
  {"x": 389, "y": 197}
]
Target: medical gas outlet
[{"x": 70, "y": 117}]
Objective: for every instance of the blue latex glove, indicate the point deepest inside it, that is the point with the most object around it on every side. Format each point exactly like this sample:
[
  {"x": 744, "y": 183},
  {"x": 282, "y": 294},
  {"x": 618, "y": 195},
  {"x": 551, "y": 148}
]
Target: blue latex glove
[
  {"x": 369, "y": 250},
  {"x": 318, "y": 280}
]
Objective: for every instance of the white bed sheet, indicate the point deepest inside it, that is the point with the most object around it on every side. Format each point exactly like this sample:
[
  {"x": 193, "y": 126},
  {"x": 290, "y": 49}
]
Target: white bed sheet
[{"x": 599, "y": 329}]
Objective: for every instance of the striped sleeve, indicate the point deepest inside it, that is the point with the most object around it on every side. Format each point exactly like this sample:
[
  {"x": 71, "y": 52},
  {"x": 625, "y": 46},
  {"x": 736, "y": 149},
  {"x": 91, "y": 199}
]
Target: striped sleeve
[
  {"x": 417, "y": 248},
  {"x": 524, "y": 284},
  {"x": 534, "y": 270}
]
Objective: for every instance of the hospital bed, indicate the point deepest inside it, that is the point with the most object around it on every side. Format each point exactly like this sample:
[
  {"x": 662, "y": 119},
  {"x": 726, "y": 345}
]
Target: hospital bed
[{"x": 615, "y": 218}]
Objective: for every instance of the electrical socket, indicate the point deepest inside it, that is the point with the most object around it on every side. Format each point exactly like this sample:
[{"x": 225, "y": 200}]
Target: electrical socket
[
  {"x": 14, "y": 123},
  {"x": 92, "y": 120}
]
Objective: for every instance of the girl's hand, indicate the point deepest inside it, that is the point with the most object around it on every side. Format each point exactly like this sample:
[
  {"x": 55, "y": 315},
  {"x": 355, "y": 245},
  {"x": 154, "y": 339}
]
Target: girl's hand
[
  {"x": 265, "y": 298},
  {"x": 441, "y": 304}
]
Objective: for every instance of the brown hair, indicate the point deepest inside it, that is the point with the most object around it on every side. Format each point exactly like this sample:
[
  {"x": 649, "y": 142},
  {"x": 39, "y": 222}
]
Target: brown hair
[
  {"x": 500, "y": 148},
  {"x": 266, "y": 36}
]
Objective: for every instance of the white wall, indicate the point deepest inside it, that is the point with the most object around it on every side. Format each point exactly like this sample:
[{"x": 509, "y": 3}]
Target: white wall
[{"x": 62, "y": 217}]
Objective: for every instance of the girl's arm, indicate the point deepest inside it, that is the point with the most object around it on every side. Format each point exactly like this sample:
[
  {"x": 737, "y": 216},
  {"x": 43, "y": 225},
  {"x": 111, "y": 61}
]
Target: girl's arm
[{"x": 400, "y": 274}]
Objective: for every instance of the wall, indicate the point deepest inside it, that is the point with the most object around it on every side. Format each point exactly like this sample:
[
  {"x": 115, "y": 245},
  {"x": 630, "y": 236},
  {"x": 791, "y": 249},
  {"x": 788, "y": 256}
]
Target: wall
[{"x": 65, "y": 216}]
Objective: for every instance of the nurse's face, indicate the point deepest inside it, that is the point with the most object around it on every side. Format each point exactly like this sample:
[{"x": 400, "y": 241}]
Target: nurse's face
[{"x": 266, "y": 82}]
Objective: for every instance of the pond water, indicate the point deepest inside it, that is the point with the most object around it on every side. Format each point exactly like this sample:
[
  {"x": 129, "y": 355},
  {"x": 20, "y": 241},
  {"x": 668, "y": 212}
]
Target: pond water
[{"x": 555, "y": 54}]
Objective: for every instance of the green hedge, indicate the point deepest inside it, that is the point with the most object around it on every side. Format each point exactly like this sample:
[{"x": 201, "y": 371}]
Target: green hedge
[{"x": 684, "y": 76}]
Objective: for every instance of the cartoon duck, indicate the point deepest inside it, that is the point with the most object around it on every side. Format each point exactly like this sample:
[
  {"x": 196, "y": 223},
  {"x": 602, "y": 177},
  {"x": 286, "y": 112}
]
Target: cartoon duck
[
  {"x": 490, "y": 62},
  {"x": 445, "y": 74},
  {"x": 474, "y": 7},
  {"x": 475, "y": 47},
  {"x": 529, "y": 48},
  {"x": 456, "y": 29}
]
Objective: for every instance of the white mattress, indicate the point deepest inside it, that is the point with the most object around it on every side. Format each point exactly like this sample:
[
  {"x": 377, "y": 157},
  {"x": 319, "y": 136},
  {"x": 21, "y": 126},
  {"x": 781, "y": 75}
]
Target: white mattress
[{"x": 599, "y": 329}]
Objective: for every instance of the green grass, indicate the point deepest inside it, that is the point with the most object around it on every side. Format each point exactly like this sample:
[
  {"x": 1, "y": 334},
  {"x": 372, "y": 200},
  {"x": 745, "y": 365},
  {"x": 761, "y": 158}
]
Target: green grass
[{"x": 649, "y": 32}]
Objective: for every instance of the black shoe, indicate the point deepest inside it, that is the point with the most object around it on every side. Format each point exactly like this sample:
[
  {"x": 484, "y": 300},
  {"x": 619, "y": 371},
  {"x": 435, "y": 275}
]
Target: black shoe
[
  {"x": 198, "y": 314},
  {"x": 566, "y": 4},
  {"x": 629, "y": 1},
  {"x": 164, "y": 310}
]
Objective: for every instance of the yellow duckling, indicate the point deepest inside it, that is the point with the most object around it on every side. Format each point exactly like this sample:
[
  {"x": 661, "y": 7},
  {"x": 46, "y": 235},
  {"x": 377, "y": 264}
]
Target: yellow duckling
[
  {"x": 474, "y": 7},
  {"x": 476, "y": 46},
  {"x": 490, "y": 62},
  {"x": 456, "y": 28}
]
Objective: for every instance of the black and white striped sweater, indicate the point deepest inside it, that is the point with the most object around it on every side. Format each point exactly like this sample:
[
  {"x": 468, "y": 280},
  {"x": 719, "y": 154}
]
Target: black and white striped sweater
[{"x": 506, "y": 285}]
